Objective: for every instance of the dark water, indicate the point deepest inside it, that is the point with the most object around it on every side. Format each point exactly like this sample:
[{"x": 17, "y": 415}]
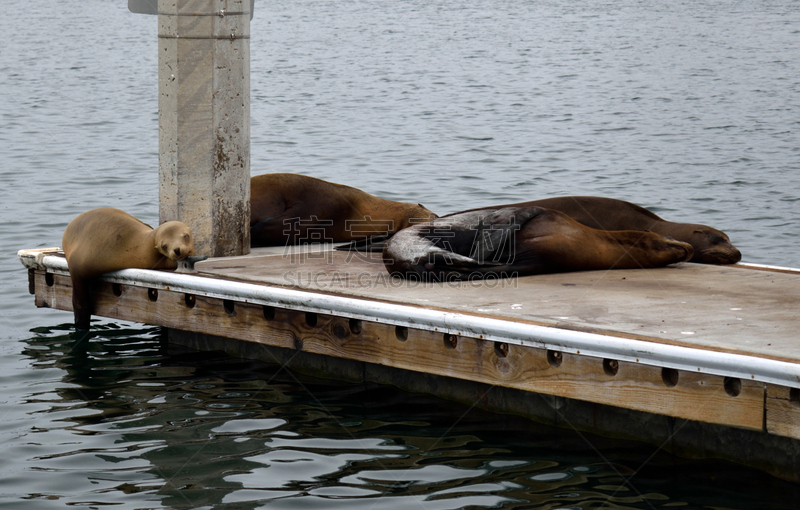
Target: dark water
[
  {"x": 691, "y": 109},
  {"x": 121, "y": 420}
]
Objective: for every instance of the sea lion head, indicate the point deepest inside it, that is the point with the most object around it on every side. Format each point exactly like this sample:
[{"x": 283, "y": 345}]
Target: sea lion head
[
  {"x": 174, "y": 240},
  {"x": 712, "y": 246}
]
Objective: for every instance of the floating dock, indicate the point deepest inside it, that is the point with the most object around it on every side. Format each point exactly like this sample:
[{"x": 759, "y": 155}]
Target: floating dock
[{"x": 701, "y": 360}]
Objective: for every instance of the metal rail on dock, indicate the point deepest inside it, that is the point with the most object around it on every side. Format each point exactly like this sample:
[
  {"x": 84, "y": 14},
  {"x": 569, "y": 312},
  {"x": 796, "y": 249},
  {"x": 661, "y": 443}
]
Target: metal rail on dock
[{"x": 492, "y": 329}]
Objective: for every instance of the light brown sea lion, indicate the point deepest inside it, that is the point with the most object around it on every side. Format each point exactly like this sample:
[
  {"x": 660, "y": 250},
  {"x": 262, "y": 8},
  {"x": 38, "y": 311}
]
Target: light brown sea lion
[
  {"x": 107, "y": 239},
  {"x": 294, "y": 209},
  {"x": 508, "y": 241},
  {"x": 711, "y": 246}
]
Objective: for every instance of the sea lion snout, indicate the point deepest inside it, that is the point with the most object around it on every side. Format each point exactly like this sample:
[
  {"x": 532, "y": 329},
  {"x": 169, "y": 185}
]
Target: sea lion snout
[
  {"x": 182, "y": 252},
  {"x": 734, "y": 256},
  {"x": 186, "y": 249},
  {"x": 719, "y": 255}
]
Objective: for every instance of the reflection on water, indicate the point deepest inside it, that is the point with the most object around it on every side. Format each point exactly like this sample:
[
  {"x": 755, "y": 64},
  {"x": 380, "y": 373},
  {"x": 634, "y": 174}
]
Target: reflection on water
[{"x": 123, "y": 419}]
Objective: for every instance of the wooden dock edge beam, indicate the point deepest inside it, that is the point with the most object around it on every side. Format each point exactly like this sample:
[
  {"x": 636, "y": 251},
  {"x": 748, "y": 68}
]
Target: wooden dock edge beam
[
  {"x": 715, "y": 399},
  {"x": 497, "y": 329},
  {"x": 776, "y": 455}
]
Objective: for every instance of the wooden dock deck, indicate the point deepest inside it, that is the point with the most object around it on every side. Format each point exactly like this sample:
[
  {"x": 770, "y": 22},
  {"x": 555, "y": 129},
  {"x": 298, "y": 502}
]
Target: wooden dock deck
[{"x": 702, "y": 344}]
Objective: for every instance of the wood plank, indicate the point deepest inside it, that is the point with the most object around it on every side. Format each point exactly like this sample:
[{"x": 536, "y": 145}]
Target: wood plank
[
  {"x": 721, "y": 308},
  {"x": 783, "y": 411},
  {"x": 52, "y": 291},
  {"x": 680, "y": 394}
]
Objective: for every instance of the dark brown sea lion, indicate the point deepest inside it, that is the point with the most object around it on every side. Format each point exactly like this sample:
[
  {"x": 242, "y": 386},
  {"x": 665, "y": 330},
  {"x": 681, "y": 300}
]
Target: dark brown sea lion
[
  {"x": 506, "y": 241},
  {"x": 711, "y": 246},
  {"x": 106, "y": 239},
  {"x": 294, "y": 209}
]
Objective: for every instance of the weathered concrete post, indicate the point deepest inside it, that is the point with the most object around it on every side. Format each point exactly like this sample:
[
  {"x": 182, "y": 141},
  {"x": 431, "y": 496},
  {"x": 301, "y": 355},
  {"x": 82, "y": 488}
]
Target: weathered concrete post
[{"x": 204, "y": 121}]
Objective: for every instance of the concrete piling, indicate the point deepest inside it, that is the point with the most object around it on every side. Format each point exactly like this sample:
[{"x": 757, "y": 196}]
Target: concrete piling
[{"x": 204, "y": 121}]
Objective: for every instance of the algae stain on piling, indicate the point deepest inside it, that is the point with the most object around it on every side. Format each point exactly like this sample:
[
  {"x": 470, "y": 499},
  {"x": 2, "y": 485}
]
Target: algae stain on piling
[{"x": 232, "y": 230}]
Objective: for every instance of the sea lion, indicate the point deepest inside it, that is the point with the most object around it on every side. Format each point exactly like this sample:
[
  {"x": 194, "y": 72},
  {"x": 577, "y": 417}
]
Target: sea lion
[
  {"x": 107, "y": 239},
  {"x": 507, "y": 241},
  {"x": 293, "y": 209},
  {"x": 711, "y": 246}
]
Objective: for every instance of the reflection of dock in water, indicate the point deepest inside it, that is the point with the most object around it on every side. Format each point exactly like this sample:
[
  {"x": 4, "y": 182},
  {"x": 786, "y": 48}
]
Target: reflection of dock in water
[
  {"x": 205, "y": 429},
  {"x": 703, "y": 359}
]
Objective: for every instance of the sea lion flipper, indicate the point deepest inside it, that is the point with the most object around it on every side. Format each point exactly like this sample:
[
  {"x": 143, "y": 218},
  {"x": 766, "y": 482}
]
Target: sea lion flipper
[
  {"x": 448, "y": 262},
  {"x": 449, "y": 258},
  {"x": 82, "y": 303},
  {"x": 369, "y": 244}
]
